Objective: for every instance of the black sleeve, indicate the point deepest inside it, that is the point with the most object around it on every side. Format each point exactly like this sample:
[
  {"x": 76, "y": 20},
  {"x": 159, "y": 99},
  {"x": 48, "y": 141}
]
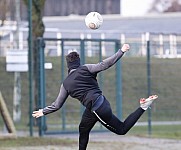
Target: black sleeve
[
  {"x": 106, "y": 63},
  {"x": 57, "y": 104}
]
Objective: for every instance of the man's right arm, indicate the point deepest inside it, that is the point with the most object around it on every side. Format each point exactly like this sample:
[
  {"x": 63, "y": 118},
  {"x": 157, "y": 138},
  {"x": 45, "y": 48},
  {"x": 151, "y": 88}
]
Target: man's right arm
[{"x": 57, "y": 104}]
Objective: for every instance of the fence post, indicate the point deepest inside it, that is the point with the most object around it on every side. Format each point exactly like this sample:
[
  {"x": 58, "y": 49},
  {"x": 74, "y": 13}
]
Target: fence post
[
  {"x": 82, "y": 58},
  {"x": 30, "y": 67},
  {"x": 100, "y": 59},
  {"x": 41, "y": 83},
  {"x": 118, "y": 84},
  {"x": 63, "y": 76},
  {"x": 148, "y": 80}
]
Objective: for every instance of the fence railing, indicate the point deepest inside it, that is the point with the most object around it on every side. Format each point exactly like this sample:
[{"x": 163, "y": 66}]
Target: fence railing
[{"x": 165, "y": 45}]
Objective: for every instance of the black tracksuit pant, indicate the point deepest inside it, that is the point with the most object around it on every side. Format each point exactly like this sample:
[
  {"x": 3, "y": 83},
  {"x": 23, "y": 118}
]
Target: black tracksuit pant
[{"x": 105, "y": 116}]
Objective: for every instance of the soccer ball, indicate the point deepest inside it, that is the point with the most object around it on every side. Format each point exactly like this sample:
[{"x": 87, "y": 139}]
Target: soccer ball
[{"x": 93, "y": 20}]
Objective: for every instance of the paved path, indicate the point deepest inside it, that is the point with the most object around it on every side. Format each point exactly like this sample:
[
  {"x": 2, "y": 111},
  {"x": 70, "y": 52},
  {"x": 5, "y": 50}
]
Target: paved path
[{"x": 111, "y": 141}]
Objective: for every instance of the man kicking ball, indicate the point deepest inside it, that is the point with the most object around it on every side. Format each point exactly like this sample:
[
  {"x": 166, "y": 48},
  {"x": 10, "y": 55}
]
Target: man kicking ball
[{"x": 81, "y": 84}]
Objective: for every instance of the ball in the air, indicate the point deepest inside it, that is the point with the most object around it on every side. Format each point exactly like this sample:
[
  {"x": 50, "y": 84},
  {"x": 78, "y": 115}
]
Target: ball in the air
[{"x": 93, "y": 20}]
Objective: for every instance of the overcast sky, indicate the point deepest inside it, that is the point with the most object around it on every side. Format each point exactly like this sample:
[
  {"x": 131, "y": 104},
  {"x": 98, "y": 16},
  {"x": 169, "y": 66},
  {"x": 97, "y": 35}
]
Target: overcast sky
[{"x": 134, "y": 7}]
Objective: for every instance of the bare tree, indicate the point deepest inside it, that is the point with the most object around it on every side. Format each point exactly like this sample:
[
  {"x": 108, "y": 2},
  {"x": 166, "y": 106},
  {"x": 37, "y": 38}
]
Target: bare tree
[
  {"x": 161, "y": 6},
  {"x": 3, "y": 16},
  {"x": 38, "y": 31},
  {"x": 3, "y": 10},
  {"x": 175, "y": 7}
]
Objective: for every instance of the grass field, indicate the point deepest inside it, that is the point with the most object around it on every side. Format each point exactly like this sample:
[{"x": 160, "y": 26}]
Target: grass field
[
  {"x": 98, "y": 141},
  {"x": 158, "y": 131},
  {"x": 165, "y": 81},
  {"x": 34, "y": 141}
]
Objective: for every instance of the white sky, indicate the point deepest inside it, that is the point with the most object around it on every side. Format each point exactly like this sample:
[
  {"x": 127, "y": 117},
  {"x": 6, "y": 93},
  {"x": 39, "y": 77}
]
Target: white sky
[{"x": 134, "y": 7}]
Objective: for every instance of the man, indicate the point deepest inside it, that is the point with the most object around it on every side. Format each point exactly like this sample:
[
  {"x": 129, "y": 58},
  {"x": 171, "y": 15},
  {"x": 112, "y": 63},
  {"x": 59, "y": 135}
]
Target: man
[{"x": 81, "y": 84}]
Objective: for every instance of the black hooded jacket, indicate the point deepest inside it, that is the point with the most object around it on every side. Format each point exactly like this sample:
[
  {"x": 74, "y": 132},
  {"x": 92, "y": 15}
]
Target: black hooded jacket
[{"x": 81, "y": 83}]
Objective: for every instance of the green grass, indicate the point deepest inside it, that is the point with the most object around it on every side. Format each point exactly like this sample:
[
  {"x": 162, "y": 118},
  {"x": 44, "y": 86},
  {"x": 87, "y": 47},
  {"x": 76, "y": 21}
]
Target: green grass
[
  {"x": 165, "y": 81},
  {"x": 158, "y": 131}
]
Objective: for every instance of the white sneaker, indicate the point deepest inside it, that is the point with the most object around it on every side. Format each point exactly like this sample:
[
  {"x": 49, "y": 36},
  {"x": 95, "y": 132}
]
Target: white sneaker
[{"x": 145, "y": 103}]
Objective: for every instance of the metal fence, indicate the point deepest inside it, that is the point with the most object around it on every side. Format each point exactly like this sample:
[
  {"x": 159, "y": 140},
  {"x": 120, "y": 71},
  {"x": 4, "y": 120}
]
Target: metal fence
[
  {"x": 143, "y": 73},
  {"x": 90, "y": 52}
]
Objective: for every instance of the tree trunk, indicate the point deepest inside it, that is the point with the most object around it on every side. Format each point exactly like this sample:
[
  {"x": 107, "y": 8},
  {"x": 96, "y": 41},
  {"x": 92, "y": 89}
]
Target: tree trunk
[{"x": 38, "y": 31}]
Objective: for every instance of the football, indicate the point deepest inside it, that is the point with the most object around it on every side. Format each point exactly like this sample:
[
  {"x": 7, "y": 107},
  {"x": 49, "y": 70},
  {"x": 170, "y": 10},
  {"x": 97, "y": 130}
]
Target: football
[{"x": 93, "y": 20}]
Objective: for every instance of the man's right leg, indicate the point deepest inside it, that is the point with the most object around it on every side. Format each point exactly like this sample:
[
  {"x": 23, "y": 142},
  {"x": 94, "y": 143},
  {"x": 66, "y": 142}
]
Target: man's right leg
[
  {"x": 111, "y": 122},
  {"x": 87, "y": 122}
]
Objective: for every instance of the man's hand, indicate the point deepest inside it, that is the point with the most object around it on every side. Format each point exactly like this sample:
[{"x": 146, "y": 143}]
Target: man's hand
[
  {"x": 125, "y": 47},
  {"x": 38, "y": 113}
]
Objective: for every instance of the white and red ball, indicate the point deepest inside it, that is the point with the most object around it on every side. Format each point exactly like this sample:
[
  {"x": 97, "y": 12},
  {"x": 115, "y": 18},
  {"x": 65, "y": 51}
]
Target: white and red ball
[{"x": 93, "y": 20}]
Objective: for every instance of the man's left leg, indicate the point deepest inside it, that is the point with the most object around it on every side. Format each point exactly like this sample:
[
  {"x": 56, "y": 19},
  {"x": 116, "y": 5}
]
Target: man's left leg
[{"x": 87, "y": 122}]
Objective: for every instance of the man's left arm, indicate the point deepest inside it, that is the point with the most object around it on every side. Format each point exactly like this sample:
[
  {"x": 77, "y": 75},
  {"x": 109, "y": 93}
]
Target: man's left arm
[{"x": 108, "y": 62}]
